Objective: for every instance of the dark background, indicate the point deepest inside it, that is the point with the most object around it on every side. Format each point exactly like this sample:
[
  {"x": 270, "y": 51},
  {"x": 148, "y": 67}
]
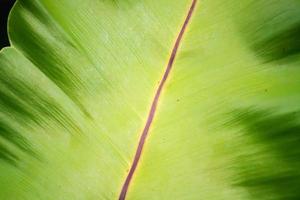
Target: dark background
[{"x": 5, "y": 6}]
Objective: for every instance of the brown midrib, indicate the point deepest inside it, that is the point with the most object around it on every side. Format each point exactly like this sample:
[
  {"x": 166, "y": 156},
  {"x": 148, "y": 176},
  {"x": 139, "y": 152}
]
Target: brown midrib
[{"x": 152, "y": 111}]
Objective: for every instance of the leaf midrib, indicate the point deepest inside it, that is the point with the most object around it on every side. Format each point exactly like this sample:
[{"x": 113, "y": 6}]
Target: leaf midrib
[{"x": 154, "y": 103}]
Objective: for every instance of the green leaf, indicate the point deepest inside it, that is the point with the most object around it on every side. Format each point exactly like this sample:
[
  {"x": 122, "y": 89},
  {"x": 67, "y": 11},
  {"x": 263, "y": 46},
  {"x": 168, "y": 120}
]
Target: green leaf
[{"x": 79, "y": 79}]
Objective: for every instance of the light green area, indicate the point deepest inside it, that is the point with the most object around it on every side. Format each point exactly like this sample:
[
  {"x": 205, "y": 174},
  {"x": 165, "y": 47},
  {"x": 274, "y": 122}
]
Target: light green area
[{"x": 77, "y": 83}]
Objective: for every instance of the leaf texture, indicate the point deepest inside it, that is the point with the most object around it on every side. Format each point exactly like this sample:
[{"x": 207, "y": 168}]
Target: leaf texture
[{"x": 79, "y": 78}]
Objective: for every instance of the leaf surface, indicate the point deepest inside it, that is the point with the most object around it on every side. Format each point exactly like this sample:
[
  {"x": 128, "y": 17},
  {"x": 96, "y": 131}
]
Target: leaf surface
[{"x": 78, "y": 81}]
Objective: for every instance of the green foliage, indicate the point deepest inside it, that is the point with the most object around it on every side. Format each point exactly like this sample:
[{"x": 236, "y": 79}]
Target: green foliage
[{"x": 77, "y": 82}]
